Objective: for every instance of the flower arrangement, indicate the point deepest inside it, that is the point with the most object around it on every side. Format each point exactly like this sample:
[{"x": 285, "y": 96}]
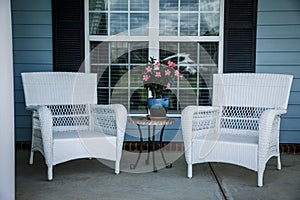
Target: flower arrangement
[{"x": 158, "y": 76}]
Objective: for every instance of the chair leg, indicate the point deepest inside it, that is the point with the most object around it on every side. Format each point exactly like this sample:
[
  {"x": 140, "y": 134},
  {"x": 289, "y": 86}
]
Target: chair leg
[
  {"x": 31, "y": 157},
  {"x": 278, "y": 163},
  {"x": 260, "y": 178},
  {"x": 50, "y": 173},
  {"x": 117, "y": 167},
  {"x": 190, "y": 171}
]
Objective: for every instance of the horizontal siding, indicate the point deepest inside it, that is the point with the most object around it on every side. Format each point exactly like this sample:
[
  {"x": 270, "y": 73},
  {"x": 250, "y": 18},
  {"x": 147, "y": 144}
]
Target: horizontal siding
[
  {"x": 278, "y": 5},
  {"x": 32, "y": 44},
  {"x": 281, "y": 69},
  {"x": 24, "y": 134},
  {"x": 31, "y": 5},
  {"x": 32, "y": 51},
  {"x": 32, "y": 31},
  {"x": 293, "y": 110},
  {"x": 34, "y": 57},
  {"x": 290, "y": 137},
  {"x": 277, "y": 58},
  {"x": 278, "y": 45},
  {"x": 278, "y": 18},
  {"x": 278, "y": 31},
  {"x": 31, "y": 67},
  {"x": 278, "y": 50},
  {"x": 295, "y": 95},
  {"x": 31, "y": 17},
  {"x": 296, "y": 84}
]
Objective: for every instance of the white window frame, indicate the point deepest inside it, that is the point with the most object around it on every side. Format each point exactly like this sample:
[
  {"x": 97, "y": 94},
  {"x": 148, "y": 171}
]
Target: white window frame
[{"x": 153, "y": 35}]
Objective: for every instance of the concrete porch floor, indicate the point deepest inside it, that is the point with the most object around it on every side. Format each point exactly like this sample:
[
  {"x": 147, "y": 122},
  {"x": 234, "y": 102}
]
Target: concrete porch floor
[{"x": 94, "y": 179}]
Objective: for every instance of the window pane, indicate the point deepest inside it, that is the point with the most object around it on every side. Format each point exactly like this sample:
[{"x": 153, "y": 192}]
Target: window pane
[
  {"x": 136, "y": 76},
  {"x": 98, "y": 5},
  {"x": 139, "y": 52},
  {"x": 138, "y": 94},
  {"x": 187, "y": 97},
  {"x": 119, "y": 76},
  {"x": 168, "y": 24},
  {"x": 103, "y": 96},
  {"x": 167, "y": 50},
  {"x": 209, "y": 53},
  {"x": 208, "y": 59},
  {"x": 119, "y": 52},
  {"x": 99, "y": 52},
  {"x": 98, "y": 22},
  {"x": 168, "y": 5},
  {"x": 204, "y": 96},
  {"x": 189, "y": 24},
  {"x": 103, "y": 75},
  {"x": 209, "y": 5},
  {"x": 189, "y": 5},
  {"x": 139, "y": 5},
  {"x": 138, "y": 100},
  {"x": 119, "y": 24},
  {"x": 119, "y": 96},
  {"x": 118, "y": 5},
  {"x": 139, "y": 24},
  {"x": 209, "y": 24}
]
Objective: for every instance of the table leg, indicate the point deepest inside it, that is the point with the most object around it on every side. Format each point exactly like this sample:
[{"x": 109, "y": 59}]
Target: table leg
[
  {"x": 153, "y": 149},
  {"x": 168, "y": 165},
  {"x": 148, "y": 146},
  {"x": 133, "y": 166}
]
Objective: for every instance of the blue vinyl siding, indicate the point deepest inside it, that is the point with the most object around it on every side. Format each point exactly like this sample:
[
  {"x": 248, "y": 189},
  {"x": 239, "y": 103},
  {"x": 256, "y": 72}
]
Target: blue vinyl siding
[
  {"x": 278, "y": 51},
  {"x": 32, "y": 51}
]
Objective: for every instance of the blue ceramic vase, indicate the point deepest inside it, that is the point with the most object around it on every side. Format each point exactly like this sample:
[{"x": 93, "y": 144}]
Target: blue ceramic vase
[{"x": 158, "y": 107}]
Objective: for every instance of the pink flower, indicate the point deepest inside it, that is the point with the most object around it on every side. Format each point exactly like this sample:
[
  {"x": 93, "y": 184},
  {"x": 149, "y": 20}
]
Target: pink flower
[
  {"x": 149, "y": 69},
  {"x": 157, "y": 75},
  {"x": 168, "y": 85},
  {"x": 167, "y": 72},
  {"x": 145, "y": 77},
  {"x": 171, "y": 64},
  {"x": 157, "y": 64},
  {"x": 176, "y": 73}
]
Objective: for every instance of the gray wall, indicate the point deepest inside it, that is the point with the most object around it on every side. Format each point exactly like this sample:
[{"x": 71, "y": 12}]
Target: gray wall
[
  {"x": 278, "y": 51},
  {"x": 32, "y": 49}
]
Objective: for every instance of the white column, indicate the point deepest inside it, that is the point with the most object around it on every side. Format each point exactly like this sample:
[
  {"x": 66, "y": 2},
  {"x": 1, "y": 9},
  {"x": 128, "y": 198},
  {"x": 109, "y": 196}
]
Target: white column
[{"x": 7, "y": 161}]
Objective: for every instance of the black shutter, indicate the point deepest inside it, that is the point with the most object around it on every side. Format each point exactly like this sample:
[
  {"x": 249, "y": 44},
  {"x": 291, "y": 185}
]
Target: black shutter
[
  {"x": 240, "y": 35},
  {"x": 68, "y": 34}
]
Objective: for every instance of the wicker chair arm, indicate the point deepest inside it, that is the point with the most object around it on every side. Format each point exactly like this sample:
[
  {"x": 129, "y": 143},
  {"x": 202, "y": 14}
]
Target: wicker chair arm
[
  {"x": 187, "y": 119},
  {"x": 120, "y": 116},
  {"x": 120, "y": 119},
  {"x": 267, "y": 122},
  {"x": 45, "y": 117}
]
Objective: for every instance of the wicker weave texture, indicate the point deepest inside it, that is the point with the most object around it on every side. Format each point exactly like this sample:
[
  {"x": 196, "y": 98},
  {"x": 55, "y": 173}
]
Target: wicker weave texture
[
  {"x": 66, "y": 122},
  {"x": 59, "y": 88},
  {"x": 242, "y": 125}
]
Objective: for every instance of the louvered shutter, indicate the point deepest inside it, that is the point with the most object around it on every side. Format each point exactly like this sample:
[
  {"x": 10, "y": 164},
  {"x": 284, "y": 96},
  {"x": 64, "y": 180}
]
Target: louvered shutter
[
  {"x": 240, "y": 35},
  {"x": 68, "y": 34}
]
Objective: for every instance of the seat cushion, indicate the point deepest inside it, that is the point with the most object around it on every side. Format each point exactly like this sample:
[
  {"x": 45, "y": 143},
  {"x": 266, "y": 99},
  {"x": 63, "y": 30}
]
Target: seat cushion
[
  {"x": 234, "y": 149},
  {"x": 68, "y": 145}
]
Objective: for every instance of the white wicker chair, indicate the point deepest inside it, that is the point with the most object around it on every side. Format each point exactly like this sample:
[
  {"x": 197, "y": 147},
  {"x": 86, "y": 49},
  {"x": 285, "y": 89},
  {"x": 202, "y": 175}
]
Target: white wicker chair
[
  {"x": 242, "y": 125},
  {"x": 67, "y": 124}
]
